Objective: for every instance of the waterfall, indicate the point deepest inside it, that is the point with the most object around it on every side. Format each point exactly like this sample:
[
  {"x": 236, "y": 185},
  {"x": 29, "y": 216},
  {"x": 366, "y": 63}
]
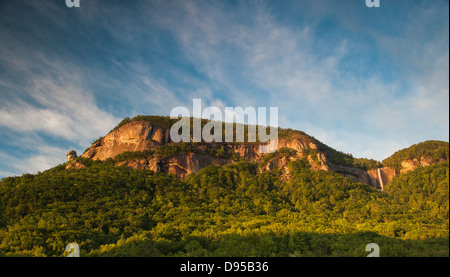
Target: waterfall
[{"x": 379, "y": 179}]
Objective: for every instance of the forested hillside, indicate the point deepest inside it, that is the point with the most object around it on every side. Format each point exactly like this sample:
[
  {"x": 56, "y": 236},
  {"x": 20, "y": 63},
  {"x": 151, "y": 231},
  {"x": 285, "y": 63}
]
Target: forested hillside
[
  {"x": 231, "y": 210},
  {"x": 433, "y": 151}
]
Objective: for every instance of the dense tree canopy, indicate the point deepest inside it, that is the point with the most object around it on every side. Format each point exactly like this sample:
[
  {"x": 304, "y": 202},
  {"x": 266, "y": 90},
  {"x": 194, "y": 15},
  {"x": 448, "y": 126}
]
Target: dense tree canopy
[{"x": 232, "y": 210}]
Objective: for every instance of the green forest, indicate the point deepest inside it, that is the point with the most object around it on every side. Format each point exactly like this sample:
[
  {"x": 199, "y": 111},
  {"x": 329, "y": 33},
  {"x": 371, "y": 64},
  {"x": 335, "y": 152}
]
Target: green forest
[
  {"x": 232, "y": 210},
  {"x": 432, "y": 149}
]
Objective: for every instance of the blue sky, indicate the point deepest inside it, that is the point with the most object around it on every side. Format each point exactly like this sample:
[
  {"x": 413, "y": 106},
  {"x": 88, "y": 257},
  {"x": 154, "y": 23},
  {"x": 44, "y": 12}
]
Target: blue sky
[{"x": 364, "y": 81}]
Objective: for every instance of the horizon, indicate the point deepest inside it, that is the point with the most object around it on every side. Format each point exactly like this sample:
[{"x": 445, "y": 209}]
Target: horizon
[{"x": 364, "y": 81}]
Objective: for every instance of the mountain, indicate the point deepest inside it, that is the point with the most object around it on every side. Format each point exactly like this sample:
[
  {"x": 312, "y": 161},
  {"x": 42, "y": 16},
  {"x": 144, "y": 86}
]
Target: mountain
[
  {"x": 144, "y": 143},
  {"x": 136, "y": 193}
]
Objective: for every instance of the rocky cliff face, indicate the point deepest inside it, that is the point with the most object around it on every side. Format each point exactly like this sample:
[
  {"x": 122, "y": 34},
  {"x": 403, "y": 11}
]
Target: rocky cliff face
[
  {"x": 143, "y": 135},
  {"x": 386, "y": 174},
  {"x": 71, "y": 155},
  {"x": 408, "y": 165},
  {"x": 180, "y": 165},
  {"x": 134, "y": 136}
]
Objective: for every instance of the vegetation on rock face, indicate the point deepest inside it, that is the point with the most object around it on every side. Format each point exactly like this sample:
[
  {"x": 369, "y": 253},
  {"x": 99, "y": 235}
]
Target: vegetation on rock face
[
  {"x": 434, "y": 150},
  {"x": 161, "y": 121},
  {"x": 231, "y": 210},
  {"x": 281, "y": 153},
  {"x": 164, "y": 151}
]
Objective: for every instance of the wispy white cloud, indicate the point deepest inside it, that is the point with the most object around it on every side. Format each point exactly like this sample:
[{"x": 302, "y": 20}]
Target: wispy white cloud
[
  {"x": 246, "y": 55},
  {"x": 286, "y": 69},
  {"x": 60, "y": 109},
  {"x": 43, "y": 95},
  {"x": 45, "y": 158},
  {"x": 39, "y": 159}
]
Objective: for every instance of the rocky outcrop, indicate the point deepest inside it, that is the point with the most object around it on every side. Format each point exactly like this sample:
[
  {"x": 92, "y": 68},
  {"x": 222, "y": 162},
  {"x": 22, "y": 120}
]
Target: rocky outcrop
[
  {"x": 422, "y": 154},
  {"x": 409, "y": 165},
  {"x": 185, "y": 164},
  {"x": 151, "y": 164},
  {"x": 250, "y": 151},
  {"x": 318, "y": 162},
  {"x": 143, "y": 135},
  {"x": 181, "y": 165},
  {"x": 71, "y": 155},
  {"x": 72, "y": 163},
  {"x": 134, "y": 136},
  {"x": 386, "y": 174},
  {"x": 357, "y": 175},
  {"x": 295, "y": 143},
  {"x": 75, "y": 165},
  {"x": 371, "y": 177},
  {"x": 277, "y": 163}
]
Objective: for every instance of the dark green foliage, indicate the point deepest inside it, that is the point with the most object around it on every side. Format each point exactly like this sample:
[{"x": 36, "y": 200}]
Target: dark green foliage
[
  {"x": 161, "y": 121},
  {"x": 281, "y": 153},
  {"x": 438, "y": 151},
  {"x": 340, "y": 158},
  {"x": 161, "y": 151},
  {"x": 289, "y": 133},
  {"x": 90, "y": 206},
  {"x": 134, "y": 155},
  {"x": 326, "y": 191},
  {"x": 232, "y": 210},
  {"x": 424, "y": 190},
  {"x": 270, "y": 244},
  {"x": 97, "y": 140}
]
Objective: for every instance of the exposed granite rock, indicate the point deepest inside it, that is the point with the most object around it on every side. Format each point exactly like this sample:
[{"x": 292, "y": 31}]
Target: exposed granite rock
[
  {"x": 386, "y": 175},
  {"x": 71, "y": 161},
  {"x": 137, "y": 164},
  {"x": 250, "y": 151},
  {"x": 71, "y": 155},
  {"x": 134, "y": 136},
  {"x": 296, "y": 144},
  {"x": 181, "y": 165},
  {"x": 318, "y": 162},
  {"x": 185, "y": 164},
  {"x": 409, "y": 165},
  {"x": 356, "y": 174}
]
